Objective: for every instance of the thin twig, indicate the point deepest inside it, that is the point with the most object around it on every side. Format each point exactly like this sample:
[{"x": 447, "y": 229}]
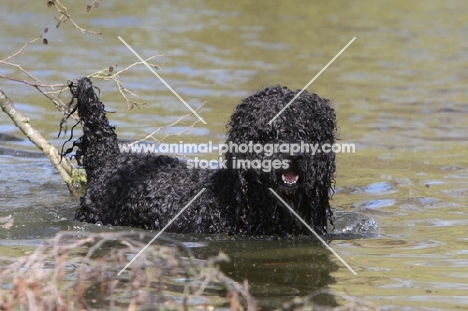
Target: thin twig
[
  {"x": 37, "y": 85},
  {"x": 107, "y": 74},
  {"x": 64, "y": 17},
  {"x": 21, "y": 49},
  {"x": 198, "y": 109}
]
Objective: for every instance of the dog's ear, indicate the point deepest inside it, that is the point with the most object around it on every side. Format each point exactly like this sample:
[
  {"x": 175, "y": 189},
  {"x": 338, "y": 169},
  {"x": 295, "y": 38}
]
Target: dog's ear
[
  {"x": 241, "y": 202},
  {"x": 240, "y": 187}
]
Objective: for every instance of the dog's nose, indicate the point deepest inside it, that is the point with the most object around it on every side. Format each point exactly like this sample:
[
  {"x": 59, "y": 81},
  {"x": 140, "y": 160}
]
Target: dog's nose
[{"x": 296, "y": 157}]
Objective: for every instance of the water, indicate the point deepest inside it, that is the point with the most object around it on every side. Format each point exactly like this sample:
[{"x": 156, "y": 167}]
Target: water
[{"x": 400, "y": 95}]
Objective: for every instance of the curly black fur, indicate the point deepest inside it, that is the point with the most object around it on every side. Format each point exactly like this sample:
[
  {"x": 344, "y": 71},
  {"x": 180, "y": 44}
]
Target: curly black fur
[
  {"x": 147, "y": 191},
  {"x": 309, "y": 119}
]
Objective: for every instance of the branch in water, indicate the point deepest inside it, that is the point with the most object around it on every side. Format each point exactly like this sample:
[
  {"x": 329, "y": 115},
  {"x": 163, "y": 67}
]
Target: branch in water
[{"x": 63, "y": 166}]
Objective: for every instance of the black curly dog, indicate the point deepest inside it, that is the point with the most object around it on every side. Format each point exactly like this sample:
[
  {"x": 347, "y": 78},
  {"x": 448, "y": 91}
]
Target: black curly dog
[{"x": 147, "y": 191}]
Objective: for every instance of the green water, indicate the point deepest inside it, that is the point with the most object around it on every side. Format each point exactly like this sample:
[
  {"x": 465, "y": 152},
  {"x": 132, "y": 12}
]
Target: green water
[{"x": 400, "y": 95}]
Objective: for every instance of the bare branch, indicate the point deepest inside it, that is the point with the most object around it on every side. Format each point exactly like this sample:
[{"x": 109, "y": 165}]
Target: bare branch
[
  {"x": 53, "y": 91},
  {"x": 198, "y": 109},
  {"x": 64, "y": 17},
  {"x": 64, "y": 168},
  {"x": 109, "y": 74},
  {"x": 21, "y": 49},
  {"x": 89, "y": 6}
]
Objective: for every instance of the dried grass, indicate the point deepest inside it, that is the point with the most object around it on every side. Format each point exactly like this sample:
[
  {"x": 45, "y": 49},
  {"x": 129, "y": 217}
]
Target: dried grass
[{"x": 77, "y": 271}]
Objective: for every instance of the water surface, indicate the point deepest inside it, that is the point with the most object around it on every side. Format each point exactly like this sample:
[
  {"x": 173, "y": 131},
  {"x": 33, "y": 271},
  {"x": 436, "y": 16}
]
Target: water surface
[{"x": 400, "y": 95}]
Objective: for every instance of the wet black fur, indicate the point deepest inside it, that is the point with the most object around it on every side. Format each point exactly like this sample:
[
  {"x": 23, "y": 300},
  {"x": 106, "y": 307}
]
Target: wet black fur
[{"x": 147, "y": 191}]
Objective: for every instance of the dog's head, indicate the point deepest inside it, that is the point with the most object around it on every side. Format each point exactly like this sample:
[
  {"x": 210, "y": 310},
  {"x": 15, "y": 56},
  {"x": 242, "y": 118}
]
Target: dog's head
[{"x": 294, "y": 161}]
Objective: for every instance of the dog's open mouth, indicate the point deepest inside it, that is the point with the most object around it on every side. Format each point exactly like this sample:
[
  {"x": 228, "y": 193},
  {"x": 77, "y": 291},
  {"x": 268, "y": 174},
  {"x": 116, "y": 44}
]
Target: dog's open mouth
[{"x": 289, "y": 177}]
